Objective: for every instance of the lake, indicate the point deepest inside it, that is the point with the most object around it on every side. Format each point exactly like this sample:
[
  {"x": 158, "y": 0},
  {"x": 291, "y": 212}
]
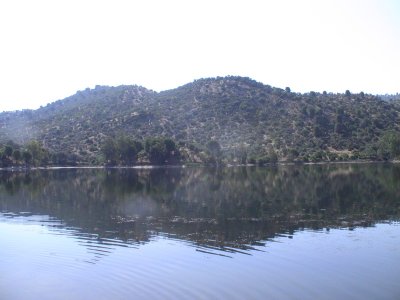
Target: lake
[{"x": 284, "y": 232}]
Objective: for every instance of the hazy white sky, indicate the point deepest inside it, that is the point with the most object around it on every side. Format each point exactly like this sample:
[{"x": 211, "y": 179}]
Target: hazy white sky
[{"x": 50, "y": 49}]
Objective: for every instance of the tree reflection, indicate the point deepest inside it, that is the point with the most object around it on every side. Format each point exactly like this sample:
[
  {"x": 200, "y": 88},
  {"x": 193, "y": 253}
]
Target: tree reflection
[{"x": 231, "y": 209}]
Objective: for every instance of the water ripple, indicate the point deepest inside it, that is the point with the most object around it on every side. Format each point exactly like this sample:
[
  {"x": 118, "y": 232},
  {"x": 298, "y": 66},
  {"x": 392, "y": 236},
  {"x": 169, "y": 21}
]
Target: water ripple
[{"x": 169, "y": 267}]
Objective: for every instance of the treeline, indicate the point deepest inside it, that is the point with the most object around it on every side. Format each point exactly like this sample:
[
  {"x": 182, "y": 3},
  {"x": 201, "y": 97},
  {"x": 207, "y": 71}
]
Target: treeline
[
  {"x": 160, "y": 151},
  {"x": 33, "y": 154},
  {"x": 120, "y": 151},
  {"x": 114, "y": 151},
  {"x": 127, "y": 151},
  {"x": 386, "y": 148}
]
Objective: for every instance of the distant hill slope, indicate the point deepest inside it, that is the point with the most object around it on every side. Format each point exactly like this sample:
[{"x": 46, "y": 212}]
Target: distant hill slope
[
  {"x": 243, "y": 115},
  {"x": 390, "y": 97}
]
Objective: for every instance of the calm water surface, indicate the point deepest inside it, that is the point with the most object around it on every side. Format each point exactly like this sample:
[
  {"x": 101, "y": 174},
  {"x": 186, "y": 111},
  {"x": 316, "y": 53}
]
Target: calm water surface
[{"x": 291, "y": 232}]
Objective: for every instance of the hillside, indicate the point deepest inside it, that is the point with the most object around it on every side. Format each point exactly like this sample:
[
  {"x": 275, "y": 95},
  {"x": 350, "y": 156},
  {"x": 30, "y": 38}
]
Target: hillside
[{"x": 249, "y": 120}]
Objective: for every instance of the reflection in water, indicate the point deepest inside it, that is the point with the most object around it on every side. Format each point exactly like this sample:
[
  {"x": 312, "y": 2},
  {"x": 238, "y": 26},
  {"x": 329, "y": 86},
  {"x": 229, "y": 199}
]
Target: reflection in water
[{"x": 233, "y": 210}]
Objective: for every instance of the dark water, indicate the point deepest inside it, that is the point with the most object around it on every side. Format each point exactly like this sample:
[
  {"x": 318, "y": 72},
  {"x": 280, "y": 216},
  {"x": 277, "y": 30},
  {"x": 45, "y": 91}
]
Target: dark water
[{"x": 290, "y": 232}]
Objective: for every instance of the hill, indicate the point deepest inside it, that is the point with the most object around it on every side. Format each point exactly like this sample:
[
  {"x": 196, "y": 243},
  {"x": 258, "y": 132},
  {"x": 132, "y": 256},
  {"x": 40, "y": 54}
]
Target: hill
[{"x": 250, "y": 121}]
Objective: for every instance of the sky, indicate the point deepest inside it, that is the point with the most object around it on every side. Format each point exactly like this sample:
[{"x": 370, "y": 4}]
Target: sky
[{"x": 51, "y": 49}]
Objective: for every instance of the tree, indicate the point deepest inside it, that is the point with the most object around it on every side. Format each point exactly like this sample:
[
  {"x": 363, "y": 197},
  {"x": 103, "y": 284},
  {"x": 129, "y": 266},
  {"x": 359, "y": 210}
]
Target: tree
[
  {"x": 389, "y": 146},
  {"x": 273, "y": 157},
  {"x": 17, "y": 155},
  {"x": 8, "y": 150},
  {"x": 27, "y": 156},
  {"x": 37, "y": 152},
  {"x": 173, "y": 154},
  {"x": 156, "y": 150},
  {"x": 127, "y": 150},
  {"x": 214, "y": 150},
  {"x": 109, "y": 150},
  {"x": 161, "y": 151},
  {"x": 60, "y": 158},
  {"x": 241, "y": 154}
]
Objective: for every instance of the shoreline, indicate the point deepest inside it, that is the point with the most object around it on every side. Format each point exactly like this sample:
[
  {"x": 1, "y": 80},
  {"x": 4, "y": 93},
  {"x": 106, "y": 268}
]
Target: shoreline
[{"x": 144, "y": 167}]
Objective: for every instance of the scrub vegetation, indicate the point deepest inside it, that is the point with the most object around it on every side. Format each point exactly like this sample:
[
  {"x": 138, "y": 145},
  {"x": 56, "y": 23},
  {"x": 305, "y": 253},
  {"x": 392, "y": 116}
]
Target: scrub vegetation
[{"x": 213, "y": 121}]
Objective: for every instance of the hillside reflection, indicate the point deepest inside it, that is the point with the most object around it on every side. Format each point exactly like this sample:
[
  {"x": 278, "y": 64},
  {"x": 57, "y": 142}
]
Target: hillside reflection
[{"x": 230, "y": 209}]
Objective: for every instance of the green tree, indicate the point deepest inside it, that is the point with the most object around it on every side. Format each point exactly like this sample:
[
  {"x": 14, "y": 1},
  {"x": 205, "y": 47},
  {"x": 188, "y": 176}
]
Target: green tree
[
  {"x": 173, "y": 154},
  {"x": 389, "y": 146},
  {"x": 127, "y": 150},
  {"x": 161, "y": 151},
  {"x": 37, "y": 152},
  {"x": 156, "y": 151},
  {"x": 27, "y": 156},
  {"x": 60, "y": 158},
  {"x": 17, "y": 155},
  {"x": 109, "y": 150},
  {"x": 8, "y": 150}
]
